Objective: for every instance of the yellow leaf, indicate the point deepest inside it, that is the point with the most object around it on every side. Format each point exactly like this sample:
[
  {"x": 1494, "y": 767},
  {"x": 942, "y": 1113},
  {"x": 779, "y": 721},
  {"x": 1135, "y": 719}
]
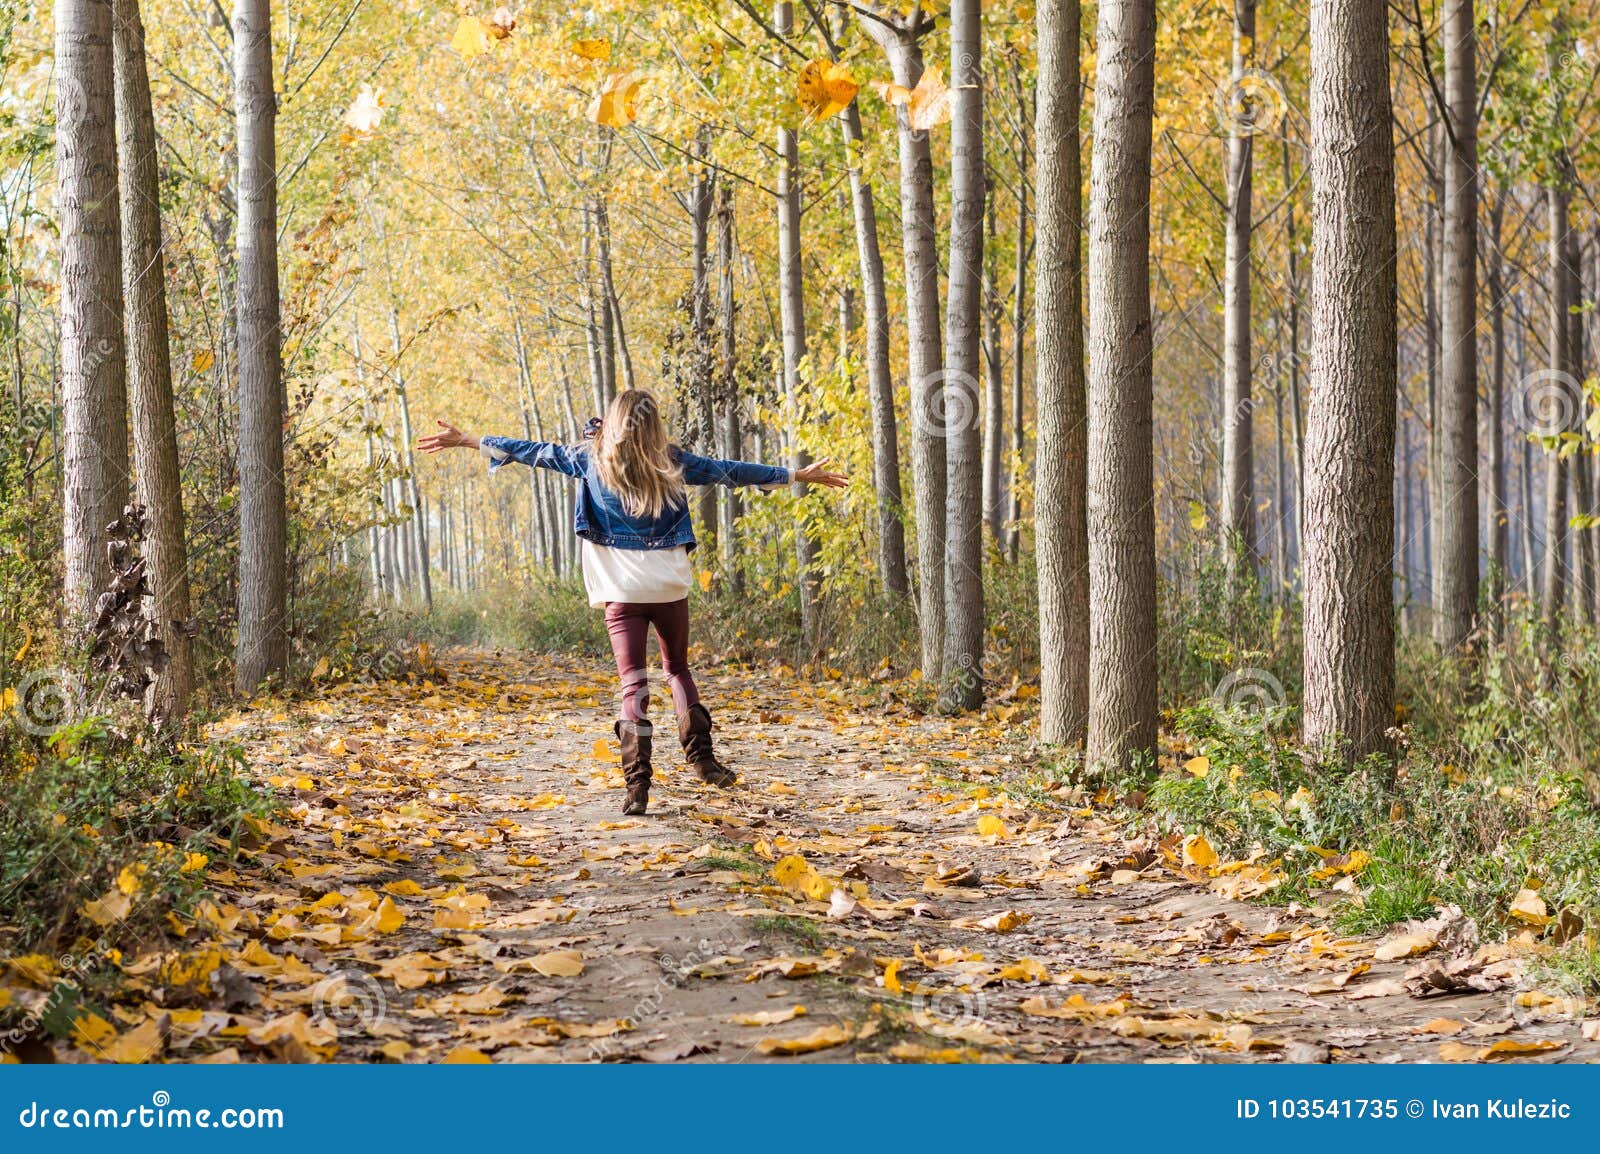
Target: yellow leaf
[
  {"x": 466, "y": 1056},
  {"x": 92, "y": 1033},
  {"x": 471, "y": 38},
  {"x": 1529, "y": 908},
  {"x": 991, "y": 826},
  {"x": 1198, "y": 766},
  {"x": 396, "y": 1050},
  {"x": 596, "y": 49},
  {"x": 602, "y": 751},
  {"x": 404, "y": 888},
  {"x": 705, "y": 580},
  {"x": 795, "y": 874},
  {"x": 825, "y": 89},
  {"x": 1024, "y": 970},
  {"x": 930, "y": 101},
  {"x": 128, "y": 880},
  {"x": 558, "y": 963},
  {"x": 768, "y": 1017},
  {"x": 891, "y": 93},
  {"x": 202, "y": 361},
  {"x": 111, "y": 907},
  {"x": 616, "y": 105},
  {"x": 891, "y": 977},
  {"x": 390, "y": 918},
  {"x": 1405, "y": 946},
  {"x": 193, "y": 863},
  {"x": 1197, "y": 851},
  {"x": 822, "y": 1038}
]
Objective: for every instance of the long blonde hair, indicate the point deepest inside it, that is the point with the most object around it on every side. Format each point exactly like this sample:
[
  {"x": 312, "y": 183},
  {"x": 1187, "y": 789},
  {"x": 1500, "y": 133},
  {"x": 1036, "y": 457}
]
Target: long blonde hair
[{"x": 634, "y": 457}]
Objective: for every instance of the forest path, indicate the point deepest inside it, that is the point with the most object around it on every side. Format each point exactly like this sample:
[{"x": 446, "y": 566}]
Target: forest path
[{"x": 456, "y": 880}]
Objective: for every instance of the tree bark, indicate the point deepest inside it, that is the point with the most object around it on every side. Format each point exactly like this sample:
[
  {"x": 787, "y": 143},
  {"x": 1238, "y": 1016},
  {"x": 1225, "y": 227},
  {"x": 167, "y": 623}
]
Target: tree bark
[
  {"x": 919, "y": 248},
  {"x": 1019, "y": 316},
  {"x": 1122, "y": 564},
  {"x": 93, "y": 381},
  {"x": 1554, "y": 407},
  {"x": 417, "y": 553},
  {"x": 994, "y": 390},
  {"x": 963, "y": 651},
  {"x": 728, "y": 377},
  {"x": 880, "y": 378},
  {"x": 1238, "y": 403},
  {"x": 263, "y": 642},
  {"x": 1060, "y": 512},
  {"x": 702, "y": 379},
  {"x": 155, "y": 434},
  {"x": 1350, "y": 427},
  {"x": 1455, "y": 592},
  {"x": 1498, "y": 515},
  {"x": 792, "y": 307}
]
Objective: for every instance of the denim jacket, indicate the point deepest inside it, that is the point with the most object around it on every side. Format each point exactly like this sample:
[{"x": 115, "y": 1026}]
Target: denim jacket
[{"x": 600, "y": 517}]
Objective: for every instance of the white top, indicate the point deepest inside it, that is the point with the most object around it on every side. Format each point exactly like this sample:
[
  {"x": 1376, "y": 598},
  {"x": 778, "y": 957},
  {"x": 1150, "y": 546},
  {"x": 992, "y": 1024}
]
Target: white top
[{"x": 636, "y": 576}]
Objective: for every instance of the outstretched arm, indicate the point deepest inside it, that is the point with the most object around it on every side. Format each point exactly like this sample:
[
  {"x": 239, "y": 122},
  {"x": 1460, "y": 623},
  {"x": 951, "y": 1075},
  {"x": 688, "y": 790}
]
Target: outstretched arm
[
  {"x": 499, "y": 450},
  {"x": 698, "y": 470}
]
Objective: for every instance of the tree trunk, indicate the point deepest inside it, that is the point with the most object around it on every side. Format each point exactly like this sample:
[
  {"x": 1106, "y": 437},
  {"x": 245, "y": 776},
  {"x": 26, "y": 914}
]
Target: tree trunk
[
  {"x": 1060, "y": 512},
  {"x": 1553, "y": 406},
  {"x": 994, "y": 391},
  {"x": 792, "y": 305},
  {"x": 263, "y": 643},
  {"x": 728, "y": 376},
  {"x": 93, "y": 382},
  {"x": 1494, "y": 405},
  {"x": 1122, "y": 563},
  {"x": 702, "y": 377},
  {"x": 1455, "y": 593},
  {"x": 1583, "y": 541},
  {"x": 1238, "y": 416},
  {"x": 155, "y": 434},
  {"x": 1019, "y": 317},
  {"x": 880, "y": 379},
  {"x": 1350, "y": 428},
  {"x": 417, "y": 555},
  {"x": 963, "y": 650},
  {"x": 919, "y": 248}
]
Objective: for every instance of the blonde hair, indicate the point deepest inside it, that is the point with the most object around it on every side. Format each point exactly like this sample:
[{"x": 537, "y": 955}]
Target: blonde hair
[{"x": 634, "y": 458}]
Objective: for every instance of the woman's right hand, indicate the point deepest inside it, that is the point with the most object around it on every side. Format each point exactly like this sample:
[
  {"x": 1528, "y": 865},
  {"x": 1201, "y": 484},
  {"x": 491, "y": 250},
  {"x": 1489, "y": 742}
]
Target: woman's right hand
[{"x": 451, "y": 438}]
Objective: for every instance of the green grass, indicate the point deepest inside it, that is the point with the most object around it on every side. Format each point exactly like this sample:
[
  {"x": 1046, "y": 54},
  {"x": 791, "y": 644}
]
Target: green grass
[{"x": 802, "y": 931}]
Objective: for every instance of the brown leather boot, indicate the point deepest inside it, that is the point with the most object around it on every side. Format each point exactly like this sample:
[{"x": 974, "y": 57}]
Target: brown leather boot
[
  {"x": 634, "y": 737},
  {"x": 694, "y": 732}
]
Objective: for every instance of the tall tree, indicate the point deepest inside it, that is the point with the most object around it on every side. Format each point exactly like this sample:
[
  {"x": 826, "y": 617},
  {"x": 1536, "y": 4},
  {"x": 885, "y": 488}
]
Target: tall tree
[
  {"x": 263, "y": 643},
  {"x": 880, "y": 381},
  {"x": 1122, "y": 562},
  {"x": 1350, "y": 427},
  {"x": 1455, "y": 575},
  {"x": 1060, "y": 516},
  {"x": 901, "y": 40},
  {"x": 1557, "y": 400},
  {"x": 1238, "y": 403},
  {"x": 792, "y": 309},
  {"x": 155, "y": 434},
  {"x": 963, "y": 566},
  {"x": 93, "y": 381},
  {"x": 1494, "y": 409}
]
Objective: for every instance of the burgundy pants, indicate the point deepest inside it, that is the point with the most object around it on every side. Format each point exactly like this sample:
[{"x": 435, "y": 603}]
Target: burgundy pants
[{"x": 629, "y": 626}]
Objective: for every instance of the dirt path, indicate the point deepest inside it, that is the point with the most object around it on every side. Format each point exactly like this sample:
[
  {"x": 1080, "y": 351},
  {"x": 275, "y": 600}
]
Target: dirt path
[{"x": 457, "y": 881}]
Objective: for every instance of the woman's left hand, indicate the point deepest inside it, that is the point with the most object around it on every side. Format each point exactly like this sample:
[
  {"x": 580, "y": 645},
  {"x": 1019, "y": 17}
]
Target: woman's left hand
[
  {"x": 451, "y": 438},
  {"x": 818, "y": 473}
]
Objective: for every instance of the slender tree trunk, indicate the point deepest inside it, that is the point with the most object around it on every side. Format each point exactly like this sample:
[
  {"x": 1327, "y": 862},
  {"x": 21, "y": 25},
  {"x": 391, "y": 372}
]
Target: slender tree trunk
[
  {"x": 728, "y": 376},
  {"x": 1297, "y": 435},
  {"x": 1060, "y": 509},
  {"x": 93, "y": 382},
  {"x": 1583, "y": 541},
  {"x": 963, "y": 650},
  {"x": 1556, "y": 404},
  {"x": 1495, "y": 410},
  {"x": 880, "y": 378},
  {"x": 919, "y": 247},
  {"x": 1455, "y": 594},
  {"x": 155, "y": 435},
  {"x": 1238, "y": 402},
  {"x": 994, "y": 391},
  {"x": 1350, "y": 428},
  {"x": 791, "y": 301},
  {"x": 1019, "y": 317},
  {"x": 1122, "y": 563},
  {"x": 263, "y": 644},
  {"x": 417, "y": 555},
  {"x": 703, "y": 382}
]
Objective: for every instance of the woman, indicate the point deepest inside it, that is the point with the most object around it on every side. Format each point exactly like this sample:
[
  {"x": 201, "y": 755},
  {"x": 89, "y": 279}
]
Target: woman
[{"x": 633, "y": 518}]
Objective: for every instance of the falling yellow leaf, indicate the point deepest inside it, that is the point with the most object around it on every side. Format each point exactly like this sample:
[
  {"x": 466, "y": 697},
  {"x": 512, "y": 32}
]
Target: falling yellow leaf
[
  {"x": 1197, "y": 851},
  {"x": 891, "y": 93},
  {"x": 930, "y": 101},
  {"x": 825, "y": 89},
  {"x": 471, "y": 38},
  {"x": 366, "y": 112},
  {"x": 595, "y": 49},
  {"x": 616, "y": 105}
]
